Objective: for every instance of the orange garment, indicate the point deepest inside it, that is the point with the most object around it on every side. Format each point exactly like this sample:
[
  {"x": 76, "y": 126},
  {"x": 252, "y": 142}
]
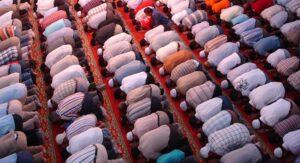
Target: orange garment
[
  {"x": 217, "y": 7},
  {"x": 176, "y": 58},
  {"x": 211, "y": 2}
]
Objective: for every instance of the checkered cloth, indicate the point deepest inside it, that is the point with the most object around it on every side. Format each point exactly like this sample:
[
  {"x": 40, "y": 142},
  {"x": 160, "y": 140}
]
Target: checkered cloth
[
  {"x": 7, "y": 32},
  {"x": 294, "y": 80},
  {"x": 229, "y": 139},
  {"x": 53, "y": 18},
  {"x": 63, "y": 90},
  {"x": 9, "y": 55},
  {"x": 90, "y": 5},
  {"x": 217, "y": 122},
  {"x": 287, "y": 66},
  {"x": 194, "y": 18}
]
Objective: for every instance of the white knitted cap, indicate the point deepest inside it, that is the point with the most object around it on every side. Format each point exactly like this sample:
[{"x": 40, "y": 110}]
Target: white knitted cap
[
  {"x": 111, "y": 83},
  {"x": 49, "y": 104},
  {"x": 204, "y": 151},
  {"x": 148, "y": 51},
  {"x": 202, "y": 54},
  {"x": 278, "y": 152},
  {"x": 157, "y": 3},
  {"x": 79, "y": 13},
  {"x": 256, "y": 124},
  {"x": 129, "y": 136},
  {"x": 161, "y": 71},
  {"x": 196, "y": 62},
  {"x": 224, "y": 84},
  {"x": 60, "y": 138},
  {"x": 183, "y": 106},
  {"x": 173, "y": 93},
  {"x": 99, "y": 51}
]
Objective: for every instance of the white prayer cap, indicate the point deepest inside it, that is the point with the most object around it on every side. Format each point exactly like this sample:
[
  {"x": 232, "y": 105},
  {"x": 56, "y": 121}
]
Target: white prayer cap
[
  {"x": 173, "y": 93},
  {"x": 224, "y": 84},
  {"x": 202, "y": 54},
  {"x": 60, "y": 138},
  {"x": 183, "y": 106},
  {"x": 161, "y": 71},
  {"x": 256, "y": 124},
  {"x": 278, "y": 152},
  {"x": 129, "y": 136},
  {"x": 111, "y": 82}
]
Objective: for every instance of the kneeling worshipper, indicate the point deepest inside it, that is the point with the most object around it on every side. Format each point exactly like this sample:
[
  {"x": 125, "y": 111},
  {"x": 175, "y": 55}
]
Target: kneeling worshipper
[
  {"x": 192, "y": 19},
  {"x": 148, "y": 123},
  {"x": 81, "y": 104},
  {"x": 142, "y": 92},
  {"x": 175, "y": 59},
  {"x": 226, "y": 140},
  {"x": 186, "y": 82},
  {"x": 205, "y": 35},
  {"x": 68, "y": 88},
  {"x": 106, "y": 32},
  {"x": 143, "y": 108},
  {"x": 129, "y": 69},
  {"x": 95, "y": 152},
  {"x": 14, "y": 147},
  {"x": 210, "y": 108},
  {"x": 271, "y": 114},
  {"x": 165, "y": 51},
  {"x": 164, "y": 138},
  {"x": 261, "y": 96},
  {"x": 90, "y": 136},
  {"x": 182, "y": 70},
  {"x": 133, "y": 81},
  {"x": 161, "y": 40},
  {"x": 199, "y": 94},
  {"x": 290, "y": 144},
  {"x": 217, "y": 122}
]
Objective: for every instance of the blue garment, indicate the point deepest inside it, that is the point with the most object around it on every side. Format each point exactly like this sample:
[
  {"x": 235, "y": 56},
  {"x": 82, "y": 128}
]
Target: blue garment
[
  {"x": 250, "y": 37},
  {"x": 159, "y": 19},
  {"x": 106, "y": 133},
  {"x": 267, "y": 44},
  {"x": 9, "y": 159},
  {"x": 16, "y": 91},
  {"x": 61, "y": 23},
  {"x": 239, "y": 19},
  {"x": 174, "y": 156},
  {"x": 7, "y": 124},
  {"x": 3, "y": 109}
]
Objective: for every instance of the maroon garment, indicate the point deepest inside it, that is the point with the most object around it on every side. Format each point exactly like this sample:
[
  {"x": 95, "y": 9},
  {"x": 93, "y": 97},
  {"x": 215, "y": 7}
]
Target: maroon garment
[
  {"x": 289, "y": 124},
  {"x": 259, "y": 5},
  {"x": 90, "y": 5}
]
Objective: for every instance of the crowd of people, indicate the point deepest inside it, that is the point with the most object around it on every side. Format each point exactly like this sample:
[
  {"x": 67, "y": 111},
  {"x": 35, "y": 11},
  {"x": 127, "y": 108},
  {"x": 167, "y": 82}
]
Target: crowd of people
[
  {"x": 235, "y": 37},
  {"x": 20, "y": 133},
  {"x": 251, "y": 47},
  {"x": 75, "y": 101}
]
